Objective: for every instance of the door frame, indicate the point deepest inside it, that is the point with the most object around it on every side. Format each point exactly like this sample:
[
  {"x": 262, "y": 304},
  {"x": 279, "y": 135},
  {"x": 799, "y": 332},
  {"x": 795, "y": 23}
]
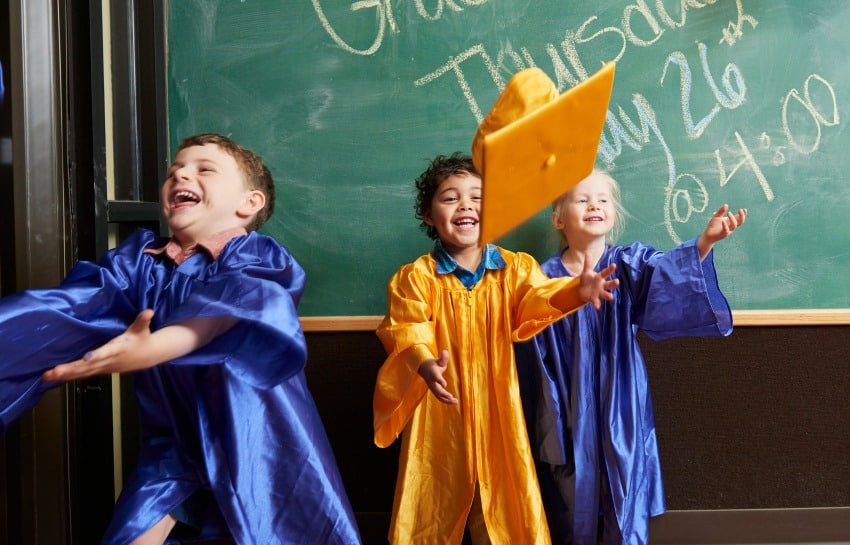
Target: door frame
[{"x": 89, "y": 150}]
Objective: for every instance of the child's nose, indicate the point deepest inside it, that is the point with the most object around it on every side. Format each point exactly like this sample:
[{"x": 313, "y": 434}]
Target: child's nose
[{"x": 181, "y": 173}]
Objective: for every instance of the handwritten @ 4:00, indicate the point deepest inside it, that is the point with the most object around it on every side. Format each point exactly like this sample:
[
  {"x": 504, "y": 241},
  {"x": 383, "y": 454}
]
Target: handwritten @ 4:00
[
  {"x": 685, "y": 193},
  {"x": 679, "y": 203},
  {"x": 792, "y": 99}
]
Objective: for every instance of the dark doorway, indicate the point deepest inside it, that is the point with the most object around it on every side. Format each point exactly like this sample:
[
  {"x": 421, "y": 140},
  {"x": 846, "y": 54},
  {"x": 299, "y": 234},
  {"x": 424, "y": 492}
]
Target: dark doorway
[{"x": 60, "y": 465}]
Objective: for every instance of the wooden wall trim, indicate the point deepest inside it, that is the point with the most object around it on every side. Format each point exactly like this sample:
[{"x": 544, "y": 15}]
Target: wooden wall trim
[
  {"x": 744, "y": 318},
  {"x": 313, "y": 324},
  {"x": 811, "y": 316}
]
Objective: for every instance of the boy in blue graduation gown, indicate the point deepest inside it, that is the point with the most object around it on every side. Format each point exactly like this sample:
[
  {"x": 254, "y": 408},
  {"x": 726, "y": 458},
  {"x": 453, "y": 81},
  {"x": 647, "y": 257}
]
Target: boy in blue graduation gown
[{"x": 232, "y": 441}]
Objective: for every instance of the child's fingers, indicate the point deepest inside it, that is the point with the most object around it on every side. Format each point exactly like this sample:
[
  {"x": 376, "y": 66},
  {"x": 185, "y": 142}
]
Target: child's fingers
[
  {"x": 736, "y": 220},
  {"x": 589, "y": 264},
  {"x": 68, "y": 371},
  {"x": 438, "y": 383},
  {"x": 55, "y": 374},
  {"x": 608, "y": 271},
  {"x": 443, "y": 395},
  {"x": 729, "y": 223}
]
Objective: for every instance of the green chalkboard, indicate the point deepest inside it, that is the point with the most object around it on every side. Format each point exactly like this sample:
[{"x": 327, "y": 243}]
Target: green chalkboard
[{"x": 745, "y": 102}]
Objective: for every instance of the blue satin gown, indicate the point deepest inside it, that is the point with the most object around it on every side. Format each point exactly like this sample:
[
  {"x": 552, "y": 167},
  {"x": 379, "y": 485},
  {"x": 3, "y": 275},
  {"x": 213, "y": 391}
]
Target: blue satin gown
[
  {"x": 233, "y": 444},
  {"x": 586, "y": 397}
]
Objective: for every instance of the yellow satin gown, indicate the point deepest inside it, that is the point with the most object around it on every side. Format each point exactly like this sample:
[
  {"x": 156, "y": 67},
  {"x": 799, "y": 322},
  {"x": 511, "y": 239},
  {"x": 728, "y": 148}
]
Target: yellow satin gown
[{"x": 447, "y": 448}]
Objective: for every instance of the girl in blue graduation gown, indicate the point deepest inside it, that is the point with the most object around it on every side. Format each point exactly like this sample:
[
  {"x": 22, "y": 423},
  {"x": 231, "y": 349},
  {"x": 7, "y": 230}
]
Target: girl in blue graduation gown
[{"x": 584, "y": 382}]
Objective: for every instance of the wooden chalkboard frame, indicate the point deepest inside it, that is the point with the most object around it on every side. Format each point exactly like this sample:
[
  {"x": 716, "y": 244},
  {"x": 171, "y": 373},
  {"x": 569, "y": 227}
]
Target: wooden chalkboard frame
[{"x": 742, "y": 318}]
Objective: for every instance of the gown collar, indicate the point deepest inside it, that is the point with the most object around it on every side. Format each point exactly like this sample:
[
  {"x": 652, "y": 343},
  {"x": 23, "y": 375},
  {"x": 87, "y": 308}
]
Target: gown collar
[
  {"x": 213, "y": 244},
  {"x": 491, "y": 260}
]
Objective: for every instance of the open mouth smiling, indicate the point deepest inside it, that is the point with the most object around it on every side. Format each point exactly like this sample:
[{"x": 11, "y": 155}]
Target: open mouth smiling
[
  {"x": 184, "y": 197},
  {"x": 466, "y": 224}
]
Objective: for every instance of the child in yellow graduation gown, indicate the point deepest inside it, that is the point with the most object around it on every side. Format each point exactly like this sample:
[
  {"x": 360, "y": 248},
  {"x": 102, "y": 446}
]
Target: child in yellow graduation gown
[{"x": 449, "y": 384}]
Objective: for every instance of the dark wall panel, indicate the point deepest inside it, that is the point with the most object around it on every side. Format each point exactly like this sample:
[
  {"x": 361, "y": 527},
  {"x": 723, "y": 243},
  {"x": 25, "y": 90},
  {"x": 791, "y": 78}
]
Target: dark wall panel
[{"x": 758, "y": 420}]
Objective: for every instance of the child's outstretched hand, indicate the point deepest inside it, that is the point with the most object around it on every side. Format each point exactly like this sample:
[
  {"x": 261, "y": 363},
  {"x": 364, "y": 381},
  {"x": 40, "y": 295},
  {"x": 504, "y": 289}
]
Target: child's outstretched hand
[
  {"x": 722, "y": 223},
  {"x": 720, "y": 226},
  {"x": 432, "y": 371},
  {"x": 127, "y": 352},
  {"x": 597, "y": 286}
]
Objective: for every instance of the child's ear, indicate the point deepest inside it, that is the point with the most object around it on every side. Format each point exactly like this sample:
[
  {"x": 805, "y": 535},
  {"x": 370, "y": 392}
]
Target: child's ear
[
  {"x": 426, "y": 217},
  {"x": 253, "y": 203},
  {"x": 557, "y": 222}
]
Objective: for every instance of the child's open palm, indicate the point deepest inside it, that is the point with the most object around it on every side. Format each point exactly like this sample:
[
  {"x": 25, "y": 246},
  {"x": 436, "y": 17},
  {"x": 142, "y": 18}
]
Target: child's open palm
[
  {"x": 138, "y": 348},
  {"x": 597, "y": 286},
  {"x": 432, "y": 371},
  {"x": 129, "y": 351},
  {"x": 720, "y": 226},
  {"x": 722, "y": 223}
]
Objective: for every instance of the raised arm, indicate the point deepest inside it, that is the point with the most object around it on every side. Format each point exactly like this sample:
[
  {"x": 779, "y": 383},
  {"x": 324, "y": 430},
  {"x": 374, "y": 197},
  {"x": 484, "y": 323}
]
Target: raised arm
[{"x": 138, "y": 348}]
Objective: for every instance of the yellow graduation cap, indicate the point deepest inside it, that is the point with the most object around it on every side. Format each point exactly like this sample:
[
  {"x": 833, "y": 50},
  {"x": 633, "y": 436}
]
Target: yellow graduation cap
[{"x": 535, "y": 145}]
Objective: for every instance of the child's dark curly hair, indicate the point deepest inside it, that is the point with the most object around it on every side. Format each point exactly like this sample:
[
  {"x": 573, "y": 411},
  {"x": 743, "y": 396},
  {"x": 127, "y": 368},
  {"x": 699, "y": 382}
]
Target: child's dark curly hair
[{"x": 440, "y": 168}]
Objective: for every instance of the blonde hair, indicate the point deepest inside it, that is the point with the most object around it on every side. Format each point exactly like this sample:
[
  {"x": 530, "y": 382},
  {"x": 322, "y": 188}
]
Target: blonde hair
[{"x": 616, "y": 200}]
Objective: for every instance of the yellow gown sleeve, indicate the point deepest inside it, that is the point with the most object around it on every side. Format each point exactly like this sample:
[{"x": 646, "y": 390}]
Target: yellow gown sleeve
[
  {"x": 408, "y": 335},
  {"x": 542, "y": 300}
]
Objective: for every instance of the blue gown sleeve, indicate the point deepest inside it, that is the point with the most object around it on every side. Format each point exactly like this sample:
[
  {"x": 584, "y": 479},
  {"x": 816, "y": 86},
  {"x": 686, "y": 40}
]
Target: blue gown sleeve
[
  {"x": 675, "y": 294},
  {"x": 256, "y": 280},
  {"x": 41, "y": 328}
]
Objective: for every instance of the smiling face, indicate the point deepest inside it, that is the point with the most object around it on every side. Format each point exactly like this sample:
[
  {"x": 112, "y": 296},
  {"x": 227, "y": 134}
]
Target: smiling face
[
  {"x": 587, "y": 213},
  {"x": 205, "y": 193},
  {"x": 454, "y": 213}
]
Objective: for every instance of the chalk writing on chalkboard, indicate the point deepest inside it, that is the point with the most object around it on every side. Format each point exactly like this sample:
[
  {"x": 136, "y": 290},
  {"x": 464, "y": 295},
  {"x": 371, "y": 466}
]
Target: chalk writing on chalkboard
[{"x": 738, "y": 101}]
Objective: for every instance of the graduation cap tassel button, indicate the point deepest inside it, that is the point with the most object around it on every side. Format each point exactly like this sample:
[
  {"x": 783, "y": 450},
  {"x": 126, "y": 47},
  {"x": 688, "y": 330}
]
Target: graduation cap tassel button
[{"x": 550, "y": 161}]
